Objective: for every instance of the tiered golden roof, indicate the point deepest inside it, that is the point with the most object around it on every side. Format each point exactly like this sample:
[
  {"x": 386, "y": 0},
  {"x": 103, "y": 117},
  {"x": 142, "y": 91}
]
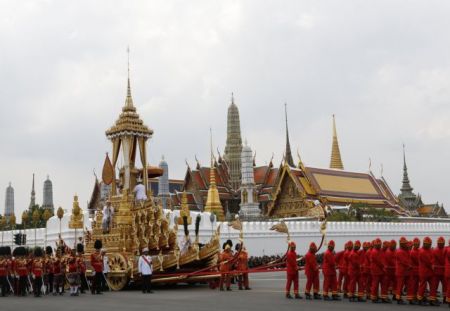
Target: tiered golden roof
[
  {"x": 336, "y": 160},
  {"x": 129, "y": 121}
]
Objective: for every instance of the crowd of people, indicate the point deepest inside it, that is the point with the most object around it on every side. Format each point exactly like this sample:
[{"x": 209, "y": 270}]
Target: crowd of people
[
  {"x": 44, "y": 272},
  {"x": 377, "y": 271}
]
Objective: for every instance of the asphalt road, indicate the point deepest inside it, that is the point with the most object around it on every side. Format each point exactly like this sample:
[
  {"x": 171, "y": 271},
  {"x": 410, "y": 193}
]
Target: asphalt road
[{"x": 267, "y": 294}]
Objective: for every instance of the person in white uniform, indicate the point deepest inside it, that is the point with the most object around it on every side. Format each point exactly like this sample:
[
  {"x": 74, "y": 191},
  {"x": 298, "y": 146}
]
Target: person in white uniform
[
  {"x": 145, "y": 268},
  {"x": 139, "y": 192},
  {"x": 108, "y": 213}
]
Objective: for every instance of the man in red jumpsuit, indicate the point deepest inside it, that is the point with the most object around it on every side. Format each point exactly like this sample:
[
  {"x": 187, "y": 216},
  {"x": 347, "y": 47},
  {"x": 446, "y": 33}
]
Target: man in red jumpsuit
[
  {"x": 312, "y": 273},
  {"x": 413, "y": 283},
  {"x": 342, "y": 269},
  {"x": 225, "y": 268},
  {"x": 365, "y": 269},
  {"x": 390, "y": 276},
  {"x": 439, "y": 266},
  {"x": 354, "y": 273},
  {"x": 385, "y": 279},
  {"x": 377, "y": 271},
  {"x": 344, "y": 264},
  {"x": 447, "y": 272},
  {"x": 242, "y": 265},
  {"x": 329, "y": 273},
  {"x": 402, "y": 269},
  {"x": 292, "y": 271},
  {"x": 426, "y": 274}
]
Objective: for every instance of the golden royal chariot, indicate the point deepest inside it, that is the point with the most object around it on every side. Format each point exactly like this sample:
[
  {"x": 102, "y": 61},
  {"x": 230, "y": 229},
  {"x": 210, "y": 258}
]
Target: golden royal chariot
[{"x": 137, "y": 225}]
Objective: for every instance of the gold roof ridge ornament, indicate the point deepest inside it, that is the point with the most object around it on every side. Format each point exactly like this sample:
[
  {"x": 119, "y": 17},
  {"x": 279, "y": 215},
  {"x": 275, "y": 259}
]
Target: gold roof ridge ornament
[
  {"x": 336, "y": 159},
  {"x": 184, "y": 210},
  {"x": 213, "y": 204}
]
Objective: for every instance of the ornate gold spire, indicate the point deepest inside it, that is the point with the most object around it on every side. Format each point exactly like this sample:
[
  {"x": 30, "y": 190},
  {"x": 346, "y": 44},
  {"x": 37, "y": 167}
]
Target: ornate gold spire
[
  {"x": 129, "y": 120},
  {"x": 288, "y": 154},
  {"x": 336, "y": 160},
  {"x": 213, "y": 204}
]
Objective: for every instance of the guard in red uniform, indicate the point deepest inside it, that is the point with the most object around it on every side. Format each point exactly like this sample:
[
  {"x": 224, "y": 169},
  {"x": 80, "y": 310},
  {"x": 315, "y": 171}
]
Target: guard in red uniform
[
  {"x": 377, "y": 270},
  {"x": 354, "y": 272},
  {"x": 385, "y": 279},
  {"x": 242, "y": 265},
  {"x": 97, "y": 265},
  {"x": 21, "y": 269},
  {"x": 439, "y": 266},
  {"x": 413, "y": 284},
  {"x": 312, "y": 273},
  {"x": 58, "y": 272},
  {"x": 329, "y": 273},
  {"x": 292, "y": 271},
  {"x": 82, "y": 268},
  {"x": 5, "y": 252},
  {"x": 37, "y": 270},
  {"x": 426, "y": 274},
  {"x": 365, "y": 269},
  {"x": 402, "y": 269}
]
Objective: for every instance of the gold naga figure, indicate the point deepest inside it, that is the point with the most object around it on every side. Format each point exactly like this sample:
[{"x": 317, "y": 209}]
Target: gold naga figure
[{"x": 136, "y": 221}]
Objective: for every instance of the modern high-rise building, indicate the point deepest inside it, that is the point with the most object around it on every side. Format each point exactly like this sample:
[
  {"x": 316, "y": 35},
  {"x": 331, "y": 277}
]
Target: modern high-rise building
[
  {"x": 9, "y": 202},
  {"x": 48, "y": 194}
]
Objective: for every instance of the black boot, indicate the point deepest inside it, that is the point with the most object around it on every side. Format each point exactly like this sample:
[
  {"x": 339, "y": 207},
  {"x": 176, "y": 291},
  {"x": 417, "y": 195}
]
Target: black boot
[
  {"x": 297, "y": 296},
  {"x": 326, "y": 298},
  {"x": 336, "y": 298},
  {"x": 361, "y": 299},
  {"x": 288, "y": 296},
  {"x": 317, "y": 296},
  {"x": 401, "y": 302},
  {"x": 308, "y": 296}
]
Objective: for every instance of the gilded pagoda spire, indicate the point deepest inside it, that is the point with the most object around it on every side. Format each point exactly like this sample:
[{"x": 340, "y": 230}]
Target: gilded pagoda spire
[
  {"x": 233, "y": 147},
  {"x": 288, "y": 153},
  {"x": 336, "y": 160},
  {"x": 213, "y": 204},
  {"x": 406, "y": 186}
]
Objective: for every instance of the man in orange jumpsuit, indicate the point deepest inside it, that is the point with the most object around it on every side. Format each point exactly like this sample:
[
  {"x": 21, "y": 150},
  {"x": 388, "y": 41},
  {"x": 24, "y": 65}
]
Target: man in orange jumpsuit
[
  {"x": 242, "y": 265},
  {"x": 413, "y": 283},
  {"x": 225, "y": 268},
  {"x": 439, "y": 266},
  {"x": 354, "y": 273},
  {"x": 292, "y": 271},
  {"x": 312, "y": 273},
  {"x": 426, "y": 274},
  {"x": 377, "y": 270},
  {"x": 402, "y": 269},
  {"x": 329, "y": 273}
]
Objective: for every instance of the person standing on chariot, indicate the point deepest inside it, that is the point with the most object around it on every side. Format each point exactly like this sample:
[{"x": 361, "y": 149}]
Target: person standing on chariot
[
  {"x": 97, "y": 265},
  {"x": 108, "y": 213},
  {"x": 292, "y": 271},
  {"x": 139, "y": 192},
  {"x": 145, "y": 268}
]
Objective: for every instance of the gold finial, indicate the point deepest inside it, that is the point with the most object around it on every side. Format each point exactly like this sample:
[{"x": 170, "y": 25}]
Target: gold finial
[
  {"x": 60, "y": 213},
  {"x": 336, "y": 160},
  {"x": 213, "y": 204},
  {"x": 129, "y": 99}
]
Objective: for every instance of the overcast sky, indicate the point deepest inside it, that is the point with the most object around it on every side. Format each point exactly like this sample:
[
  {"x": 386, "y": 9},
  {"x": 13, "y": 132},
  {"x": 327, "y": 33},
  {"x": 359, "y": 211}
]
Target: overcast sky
[{"x": 383, "y": 67}]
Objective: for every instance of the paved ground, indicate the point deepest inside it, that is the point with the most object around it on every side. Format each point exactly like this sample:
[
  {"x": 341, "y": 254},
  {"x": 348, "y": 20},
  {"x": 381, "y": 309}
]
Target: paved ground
[{"x": 267, "y": 294}]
